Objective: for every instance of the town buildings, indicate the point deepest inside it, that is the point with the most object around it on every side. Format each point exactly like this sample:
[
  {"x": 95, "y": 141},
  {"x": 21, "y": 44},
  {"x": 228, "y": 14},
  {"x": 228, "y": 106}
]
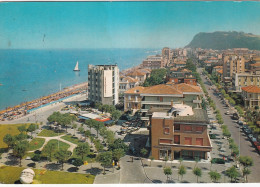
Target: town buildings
[
  {"x": 233, "y": 64},
  {"x": 153, "y": 62},
  {"x": 178, "y": 132},
  {"x": 251, "y": 96},
  {"x": 244, "y": 79},
  {"x": 103, "y": 84},
  {"x": 126, "y": 83},
  {"x": 161, "y": 96}
]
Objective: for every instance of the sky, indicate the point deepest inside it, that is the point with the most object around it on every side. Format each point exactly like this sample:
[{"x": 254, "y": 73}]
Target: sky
[{"x": 45, "y": 25}]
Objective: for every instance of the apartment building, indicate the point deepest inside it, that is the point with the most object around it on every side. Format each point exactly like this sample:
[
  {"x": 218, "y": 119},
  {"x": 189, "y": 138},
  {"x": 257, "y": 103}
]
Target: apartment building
[
  {"x": 233, "y": 64},
  {"x": 153, "y": 62},
  {"x": 103, "y": 84},
  {"x": 181, "y": 77},
  {"x": 125, "y": 83},
  {"x": 161, "y": 96},
  {"x": 179, "y": 132},
  {"x": 138, "y": 75},
  {"x": 251, "y": 96},
  {"x": 240, "y": 80}
]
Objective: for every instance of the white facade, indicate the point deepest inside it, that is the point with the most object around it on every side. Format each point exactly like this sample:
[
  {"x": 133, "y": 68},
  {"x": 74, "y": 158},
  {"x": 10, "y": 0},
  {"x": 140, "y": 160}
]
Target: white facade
[{"x": 103, "y": 83}]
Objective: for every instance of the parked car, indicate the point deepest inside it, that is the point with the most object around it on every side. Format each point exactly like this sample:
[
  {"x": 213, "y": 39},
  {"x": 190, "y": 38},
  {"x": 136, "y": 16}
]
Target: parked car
[{"x": 227, "y": 113}]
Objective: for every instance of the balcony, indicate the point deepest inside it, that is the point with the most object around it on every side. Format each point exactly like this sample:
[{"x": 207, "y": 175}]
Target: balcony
[
  {"x": 145, "y": 118},
  {"x": 197, "y": 101}
]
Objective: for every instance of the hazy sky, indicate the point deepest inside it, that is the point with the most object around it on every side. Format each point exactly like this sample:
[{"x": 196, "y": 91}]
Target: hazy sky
[{"x": 120, "y": 24}]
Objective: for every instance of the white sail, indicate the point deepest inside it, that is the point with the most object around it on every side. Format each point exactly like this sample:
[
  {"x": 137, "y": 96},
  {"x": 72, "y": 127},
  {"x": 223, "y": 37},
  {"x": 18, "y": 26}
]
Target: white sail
[{"x": 76, "y": 67}]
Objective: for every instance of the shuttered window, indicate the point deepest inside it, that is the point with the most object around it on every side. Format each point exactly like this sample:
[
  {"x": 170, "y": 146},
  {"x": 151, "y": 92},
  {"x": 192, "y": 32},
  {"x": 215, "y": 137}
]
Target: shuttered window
[
  {"x": 177, "y": 139},
  {"x": 188, "y": 141},
  {"x": 187, "y": 128},
  {"x": 199, "y": 141},
  {"x": 199, "y": 129},
  {"x": 176, "y": 127}
]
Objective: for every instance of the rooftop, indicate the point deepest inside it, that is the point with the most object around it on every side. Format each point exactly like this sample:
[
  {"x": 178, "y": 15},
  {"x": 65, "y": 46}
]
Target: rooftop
[
  {"x": 197, "y": 115},
  {"x": 251, "y": 89}
]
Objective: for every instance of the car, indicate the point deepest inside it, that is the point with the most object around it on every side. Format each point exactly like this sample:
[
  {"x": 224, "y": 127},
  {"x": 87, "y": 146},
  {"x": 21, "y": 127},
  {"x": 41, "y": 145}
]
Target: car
[
  {"x": 250, "y": 136},
  {"x": 227, "y": 113}
]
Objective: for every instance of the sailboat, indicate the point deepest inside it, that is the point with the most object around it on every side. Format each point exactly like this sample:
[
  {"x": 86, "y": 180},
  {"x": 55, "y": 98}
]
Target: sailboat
[{"x": 77, "y": 67}]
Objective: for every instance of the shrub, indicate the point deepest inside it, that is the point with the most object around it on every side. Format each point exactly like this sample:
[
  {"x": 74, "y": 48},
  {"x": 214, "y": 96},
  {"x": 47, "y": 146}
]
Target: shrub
[{"x": 218, "y": 161}]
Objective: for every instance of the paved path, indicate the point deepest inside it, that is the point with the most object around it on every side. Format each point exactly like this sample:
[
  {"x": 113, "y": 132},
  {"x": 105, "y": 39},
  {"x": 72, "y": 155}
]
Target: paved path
[
  {"x": 47, "y": 139},
  {"x": 246, "y": 147}
]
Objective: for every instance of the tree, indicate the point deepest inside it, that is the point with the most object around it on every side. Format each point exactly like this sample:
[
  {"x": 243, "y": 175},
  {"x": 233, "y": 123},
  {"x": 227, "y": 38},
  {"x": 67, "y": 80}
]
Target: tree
[
  {"x": 98, "y": 125},
  {"x": 20, "y": 137},
  {"x": 246, "y": 172},
  {"x": 182, "y": 171},
  {"x": 9, "y": 140},
  {"x": 143, "y": 151},
  {"x": 31, "y": 128},
  {"x": 48, "y": 150},
  {"x": 180, "y": 160},
  {"x": 22, "y": 128},
  {"x": 167, "y": 171},
  {"x": 105, "y": 159},
  {"x": 87, "y": 133},
  {"x": 78, "y": 162},
  {"x": 82, "y": 150},
  {"x": 90, "y": 123},
  {"x": 151, "y": 158},
  {"x": 20, "y": 150},
  {"x": 232, "y": 173},
  {"x": 118, "y": 143},
  {"x": 165, "y": 159},
  {"x": 246, "y": 161},
  {"x": 214, "y": 176},
  {"x": 197, "y": 172},
  {"x": 62, "y": 156},
  {"x": 74, "y": 126},
  {"x": 196, "y": 161},
  {"x": 81, "y": 130},
  {"x": 118, "y": 153},
  {"x": 98, "y": 145},
  {"x": 116, "y": 115}
]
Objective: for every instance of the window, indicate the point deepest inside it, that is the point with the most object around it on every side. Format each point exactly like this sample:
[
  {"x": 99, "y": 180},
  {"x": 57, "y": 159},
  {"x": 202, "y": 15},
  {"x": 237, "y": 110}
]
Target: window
[
  {"x": 166, "y": 130},
  {"x": 188, "y": 141},
  {"x": 176, "y": 127},
  {"x": 165, "y": 141},
  {"x": 164, "y": 153},
  {"x": 177, "y": 139},
  {"x": 199, "y": 141},
  {"x": 199, "y": 129},
  {"x": 187, "y": 128},
  {"x": 161, "y": 99}
]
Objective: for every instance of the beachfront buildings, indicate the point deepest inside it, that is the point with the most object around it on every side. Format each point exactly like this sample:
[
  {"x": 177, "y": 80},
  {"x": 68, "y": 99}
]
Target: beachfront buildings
[
  {"x": 180, "y": 132},
  {"x": 153, "y": 62},
  {"x": 251, "y": 96},
  {"x": 161, "y": 96},
  {"x": 103, "y": 84},
  {"x": 125, "y": 83},
  {"x": 181, "y": 77}
]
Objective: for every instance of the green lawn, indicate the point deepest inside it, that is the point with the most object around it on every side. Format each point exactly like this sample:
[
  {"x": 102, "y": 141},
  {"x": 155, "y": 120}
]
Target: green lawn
[
  {"x": 9, "y": 174},
  {"x": 61, "y": 145},
  {"x": 36, "y": 143},
  {"x": 49, "y": 133},
  {"x": 71, "y": 139},
  {"x": 8, "y": 129}
]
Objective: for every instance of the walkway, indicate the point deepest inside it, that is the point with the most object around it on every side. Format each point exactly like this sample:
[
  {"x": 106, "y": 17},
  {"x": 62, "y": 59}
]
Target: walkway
[{"x": 47, "y": 139}]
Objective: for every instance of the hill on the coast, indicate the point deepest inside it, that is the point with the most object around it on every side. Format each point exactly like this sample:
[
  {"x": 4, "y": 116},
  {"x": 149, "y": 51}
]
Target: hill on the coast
[{"x": 225, "y": 40}]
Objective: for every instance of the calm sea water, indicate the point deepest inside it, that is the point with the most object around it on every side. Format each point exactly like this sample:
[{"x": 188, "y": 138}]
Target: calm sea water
[{"x": 30, "y": 74}]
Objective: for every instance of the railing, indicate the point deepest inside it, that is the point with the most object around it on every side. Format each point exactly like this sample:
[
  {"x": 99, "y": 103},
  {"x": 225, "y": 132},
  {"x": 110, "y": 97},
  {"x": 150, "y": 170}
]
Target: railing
[
  {"x": 158, "y": 103},
  {"x": 144, "y": 110}
]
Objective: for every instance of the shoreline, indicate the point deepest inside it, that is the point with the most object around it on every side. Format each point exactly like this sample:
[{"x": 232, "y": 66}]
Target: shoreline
[{"x": 24, "y": 108}]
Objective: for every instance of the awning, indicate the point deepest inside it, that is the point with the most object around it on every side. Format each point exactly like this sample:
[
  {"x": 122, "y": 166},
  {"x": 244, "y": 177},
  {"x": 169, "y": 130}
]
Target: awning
[{"x": 82, "y": 117}]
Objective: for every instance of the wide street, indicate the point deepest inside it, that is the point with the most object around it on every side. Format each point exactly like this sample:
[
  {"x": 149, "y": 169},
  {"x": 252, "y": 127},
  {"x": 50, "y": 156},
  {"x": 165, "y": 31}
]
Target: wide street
[{"x": 240, "y": 138}]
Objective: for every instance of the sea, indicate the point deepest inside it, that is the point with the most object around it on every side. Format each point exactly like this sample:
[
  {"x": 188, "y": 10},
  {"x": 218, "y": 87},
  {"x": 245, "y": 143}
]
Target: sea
[{"x": 27, "y": 74}]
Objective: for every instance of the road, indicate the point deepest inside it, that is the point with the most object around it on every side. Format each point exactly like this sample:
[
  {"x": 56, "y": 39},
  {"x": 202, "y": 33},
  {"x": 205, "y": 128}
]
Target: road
[{"x": 246, "y": 148}]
